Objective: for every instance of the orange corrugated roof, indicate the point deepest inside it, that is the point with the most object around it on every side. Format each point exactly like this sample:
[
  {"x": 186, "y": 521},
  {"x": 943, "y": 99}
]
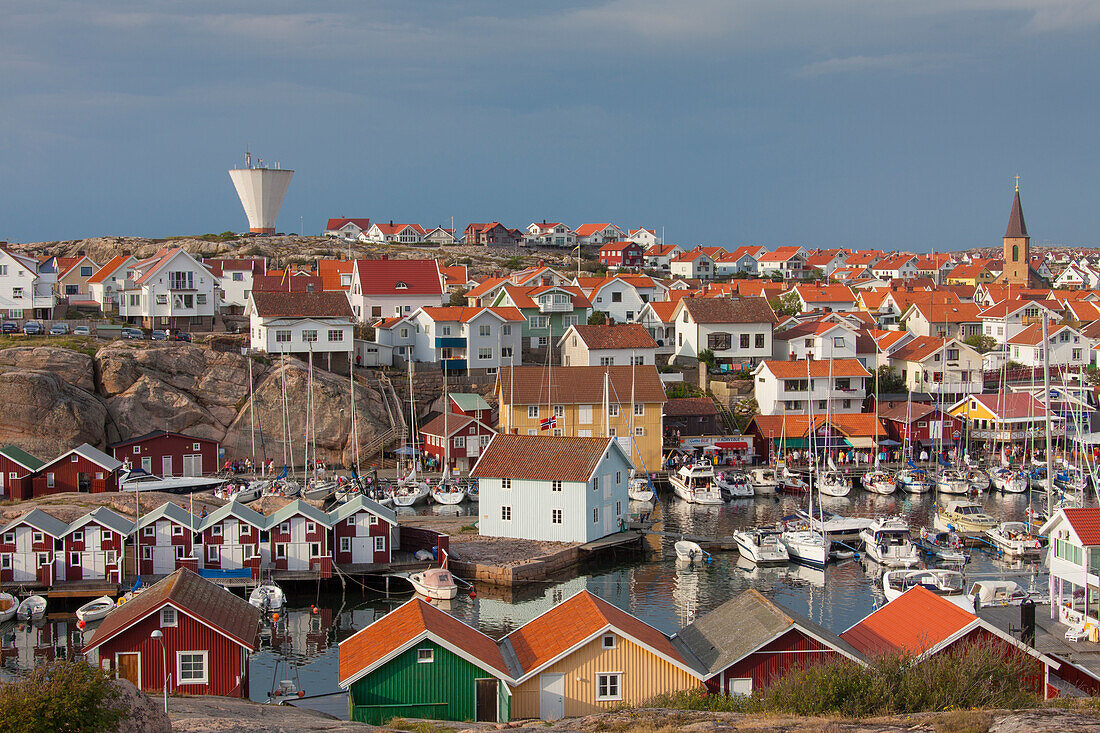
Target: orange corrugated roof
[
  {"x": 912, "y": 623},
  {"x": 857, "y": 424}
]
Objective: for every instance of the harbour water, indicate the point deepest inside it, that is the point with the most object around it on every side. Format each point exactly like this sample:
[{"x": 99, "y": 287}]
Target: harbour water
[{"x": 301, "y": 646}]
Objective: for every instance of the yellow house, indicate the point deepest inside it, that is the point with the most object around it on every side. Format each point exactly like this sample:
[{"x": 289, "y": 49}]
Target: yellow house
[
  {"x": 1006, "y": 417},
  {"x": 969, "y": 273},
  {"x": 574, "y": 397},
  {"x": 585, "y": 655}
]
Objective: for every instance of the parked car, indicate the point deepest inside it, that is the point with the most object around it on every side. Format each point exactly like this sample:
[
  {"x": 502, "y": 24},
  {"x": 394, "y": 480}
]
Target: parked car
[
  {"x": 82, "y": 331},
  {"x": 32, "y": 328},
  {"x": 59, "y": 329},
  {"x": 159, "y": 335},
  {"x": 133, "y": 333},
  {"x": 9, "y": 327},
  {"x": 180, "y": 336}
]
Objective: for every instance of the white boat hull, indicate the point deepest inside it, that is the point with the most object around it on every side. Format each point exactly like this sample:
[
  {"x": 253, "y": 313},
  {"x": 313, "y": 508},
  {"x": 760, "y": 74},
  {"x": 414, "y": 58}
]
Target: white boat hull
[
  {"x": 267, "y": 597},
  {"x": 9, "y": 604},
  {"x": 448, "y": 497},
  {"x": 32, "y": 608},
  {"x": 806, "y": 547},
  {"x": 688, "y": 552},
  {"x": 695, "y": 496},
  {"x": 95, "y": 610},
  {"x": 766, "y": 554},
  {"x": 439, "y": 593}
]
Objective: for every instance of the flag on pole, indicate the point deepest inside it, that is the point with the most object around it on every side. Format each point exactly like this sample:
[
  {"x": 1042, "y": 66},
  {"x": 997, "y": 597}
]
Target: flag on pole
[{"x": 548, "y": 422}]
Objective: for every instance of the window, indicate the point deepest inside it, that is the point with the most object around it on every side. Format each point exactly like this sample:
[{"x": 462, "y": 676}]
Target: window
[
  {"x": 618, "y": 477},
  {"x": 379, "y": 544},
  {"x": 555, "y": 516},
  {"x": 37, "y": 537},
  {"x": 9, "y": 538},
  {"x": 608, "y": 641},
  {"x": 74, "y": 558},
  {"x": 618, "y": 509},
  {"x": 595, "y": 483},
  {"x": 484, "y": 354},
  {"x": 608, "y": 686},
  {"x": 147, "y": 553},
  {"x": 314, "y": 549},
  {"x": 168, "y": 616},
  {"x": 200, "y": 299},
  {"x": 17, "y": 293},
  {"x": 719, "y": 341},
  {"x": 425, "y": 656},
  {"x": 639, "y": 431},
  {"x": 335, "y": 334},
  {"x": 177, "y": 530},
  {"x": 532, "y": 411},
  {"x": 639, "y": 409},
  {"x": 613, "y": 409},
  {"x": 612, "y": 432},
  {"x": 5, "y": 562},
  {"x": 759, "y": 340},
  {"x": 282, "y": 337},
  {"x": 284, "y": 527},
  {"x": 238, "y": 277},
  {"x": 505, "y": 352},
  {"x": 191, "y": 668},
  {"x": 559, "y": 410},
  {"x": 345, "y": 544},
  {"x": 147, "y": 531},
  {"x": 744, "y": 341},
  {"x": 595, "y": 515},
  {"x": 607, "y": 361},
  {"x": 555, "y": 485},
  {"x": 309, "y": 335},
  {"x": 43, "y": 559},
  {"x": 506, "y": 483},
  {"x": 506, "y": 329},
  {"x": 280, "y": 551},
  {"x": 460, "y": 441},
  {"x": 484, "y": 329},
  {"x": 506, "y": 513},
  {"x": 78, "y": 536}
]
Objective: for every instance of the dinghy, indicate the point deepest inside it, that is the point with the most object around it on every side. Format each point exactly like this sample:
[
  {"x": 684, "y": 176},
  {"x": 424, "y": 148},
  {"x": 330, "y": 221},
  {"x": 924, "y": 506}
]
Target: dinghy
[
  {"x": 267, "y": 597},
  {"x": 435, "y": 583},
  {"x": 688, "y": 551},
  {"x": 95, "y": 610},
  {"x": 32, "y": 608},
  {"x": 9, "y": 604}
]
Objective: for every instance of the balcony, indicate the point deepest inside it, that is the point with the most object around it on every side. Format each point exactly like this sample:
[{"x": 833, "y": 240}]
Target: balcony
[
  {"x": 554, "y": 307},
  {"x": 450, "y": 342},
  {"x": 951, "y": 387},
  {"x": 1017, "y": 434},
  {"x": 452, "y": 365}
]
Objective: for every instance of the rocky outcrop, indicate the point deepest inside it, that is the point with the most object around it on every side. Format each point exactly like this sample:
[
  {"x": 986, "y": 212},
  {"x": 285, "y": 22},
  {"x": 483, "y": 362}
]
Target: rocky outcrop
[
  {"x": 74, "y": 367},
  {"x": 45, "y": 415},
  {"x": 143, "y": 714}
]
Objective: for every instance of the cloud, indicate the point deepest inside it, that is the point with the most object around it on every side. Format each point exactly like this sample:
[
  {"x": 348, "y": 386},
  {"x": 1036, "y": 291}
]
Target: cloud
[{"x": 909, "y": 63}]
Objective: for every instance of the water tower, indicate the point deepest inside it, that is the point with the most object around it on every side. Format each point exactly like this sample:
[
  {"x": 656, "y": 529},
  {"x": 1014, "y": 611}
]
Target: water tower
[{"x": 261, "y": 189}]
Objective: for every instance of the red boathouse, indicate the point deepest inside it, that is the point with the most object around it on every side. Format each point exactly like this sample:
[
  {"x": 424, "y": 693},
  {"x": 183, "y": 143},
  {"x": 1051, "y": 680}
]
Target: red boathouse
[{"x": 169, "y": 454}]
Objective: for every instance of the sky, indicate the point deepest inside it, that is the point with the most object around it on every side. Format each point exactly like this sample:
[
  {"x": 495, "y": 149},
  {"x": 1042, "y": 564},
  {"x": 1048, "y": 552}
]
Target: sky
[{"x": 858, "y": 123}]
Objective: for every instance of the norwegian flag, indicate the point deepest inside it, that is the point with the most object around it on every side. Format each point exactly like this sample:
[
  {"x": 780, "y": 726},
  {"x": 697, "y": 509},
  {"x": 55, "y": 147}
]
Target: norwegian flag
[{"x": 548, "y": 423}]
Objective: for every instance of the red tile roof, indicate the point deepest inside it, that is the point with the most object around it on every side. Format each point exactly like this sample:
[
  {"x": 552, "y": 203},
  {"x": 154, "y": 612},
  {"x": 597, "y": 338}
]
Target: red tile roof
[
  {"x": 380, "y": 277},
  {"x": 559, "y": 458},
  {"x": 486, "y": 286},
  {"x": 455, "y": 274},
  {"x": 826, "y": 293},
  {"x": 690, "y": 256},
  {"x": 404, "y": 625},
  {"x": 579, "y": 384},
  {"x": 1085, "y": 523},
  {"x": 333, "y": 224},
  {"x": 663, "y": 308},
  {"x": 781, "y": 254},
  {"x": 619, "y": 336},
  {"x": 912, "y": 623},
  {"x": 659, "y": 250},
  {"x": 104, "y": 272},
  {"x": 863, "y": 257},
  {"x": 1033, "y": 335},
  {"x": 817, "y": 369},
  {"x": 950, "y": 312},
  {"x": 620, "y": 246},
  {"x": 524, "y": 297},
  {"x": 690, "y": 407},
  {"x": 282, "y": 283},
  {"x": 301, "y": 305},
  {"x": 894, "y": 262},
  {"x": 587, "y": 230}
]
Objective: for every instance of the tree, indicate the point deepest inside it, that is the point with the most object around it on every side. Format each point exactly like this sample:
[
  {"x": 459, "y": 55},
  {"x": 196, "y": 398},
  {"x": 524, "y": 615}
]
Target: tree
[
  {"x": 598, "y": 318},
  {"x": 890, "y": 382},
  {"x": 61, "y": 696},
  {"x": 981, "y": 342},
  {"x": 458, "y": 297},
  {"x": 787, "y": 304},
  {"x": 707, "y": 357}
]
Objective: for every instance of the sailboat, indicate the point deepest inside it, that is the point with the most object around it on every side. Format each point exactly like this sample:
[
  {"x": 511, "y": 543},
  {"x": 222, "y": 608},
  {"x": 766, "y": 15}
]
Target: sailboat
[
  {"x": 878, "y": 481},
  {"x": 447, "y": 491},
  {"x": 914, "y": 480},
  {"x": 832, "y": 482},
  {"x": 409, "y": 489},
  {"x": 804, "y": 545}
]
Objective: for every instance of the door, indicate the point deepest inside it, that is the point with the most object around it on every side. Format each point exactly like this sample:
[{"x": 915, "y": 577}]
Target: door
[
  {"x": 166, "y": 466},
  {"x": 128, "y": 667},
  {"x": 362, "y": 549},
  {"x": 552, "y": 696},
  {"x": 192, "y": 465},
  {"x": 298, "y": 555},
  {"x": 83, "y": 481},
  {"x": 147, "y": 464},
  {"x": 92, "y": 565},
  {"x": 91, "y": 539},
  {"x": 23, "y": 563},
  {"x": 486, "y": 701},
  {"x": 164, "y": 559}
]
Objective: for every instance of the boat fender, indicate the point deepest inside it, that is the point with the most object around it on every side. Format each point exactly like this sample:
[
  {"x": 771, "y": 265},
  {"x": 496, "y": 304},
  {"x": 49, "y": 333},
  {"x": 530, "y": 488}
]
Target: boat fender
[
  {"x": 314, "y": 609},
  {"x": 275, "y": 617},
  {"x": 80, "y": 624},
  {"x": 301, "y": 693},
  {"x": 473, "y": 594}
]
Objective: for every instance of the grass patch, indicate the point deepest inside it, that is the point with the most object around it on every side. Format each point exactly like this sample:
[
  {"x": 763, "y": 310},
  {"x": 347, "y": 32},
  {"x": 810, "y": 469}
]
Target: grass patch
[
  {"x": 83, "y": 344},
  {"x": 467, "y": 528},
  {"x": 963, "y": 721},
  {"x": 417, "y": 726}
]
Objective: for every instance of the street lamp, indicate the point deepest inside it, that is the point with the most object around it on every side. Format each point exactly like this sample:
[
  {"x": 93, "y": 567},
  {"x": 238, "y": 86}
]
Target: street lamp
[{"x": 164, "y": 655}]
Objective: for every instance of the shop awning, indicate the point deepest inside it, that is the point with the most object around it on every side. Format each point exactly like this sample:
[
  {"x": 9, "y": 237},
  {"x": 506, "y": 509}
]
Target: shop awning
[
  {"x": 732, "y": 444},
  {"x": 861, "y": 442},
  {"x": 819, "y": 443}
]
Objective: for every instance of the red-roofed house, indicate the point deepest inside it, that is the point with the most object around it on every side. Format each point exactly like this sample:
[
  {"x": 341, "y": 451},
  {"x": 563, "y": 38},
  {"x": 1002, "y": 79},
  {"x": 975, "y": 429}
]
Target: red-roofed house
[
  {"x": 837, "y": 386},
  {"x": 302, "y": 324},
  {"x": 103, "y": 286},
  {"x": 1008, "y": 317},
  {"x": 599, "y": 233},
  {"x": 462, "y": 339},
  {"x": 789, "y": 262},
  {"x": 645, "y": 237},
  {"x": 692, "y": 265},
  {"x": 457, "y": 277},
  {"x": 955, "y": 320},
  {"x": 659, "y": 256},
  {"x": 550, "y": 234},
  {"x": 656, "y": 318},
  {"x": 1065, "y": 346},
  {"x": 349, "y": 229},
  {"x": 440, "y": 235},
  {"x": 549, "y": 310},
  {"x": 938, "y": 366},
  {"x": 1006, "y": 417},
  {"x": 236, "y": 279},
  {"x": 391, "y": 287},
  {"x": 467, "y": 436},
  {"x": 170, "y": 289},
  {"x": 826, "y": 297},
  {"x": 621, "y": 254},
  {"x": 1074, "y": 562},
  {"x": 896, "y": 266},
  {"x": 391, "y": 233}
]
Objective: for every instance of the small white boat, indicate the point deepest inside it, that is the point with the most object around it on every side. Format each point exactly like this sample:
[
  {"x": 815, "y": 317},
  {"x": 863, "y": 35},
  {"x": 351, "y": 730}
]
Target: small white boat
[
  {"x": 790, "y": 482},
  {"x": 914, "y": 481},
  {"x": 979, "y": 480},
  {"x": 409, "y": 490},
  {"x": 998, "y": 593},
  {"x": 886, "y": 542},
  {"x": 95, "y": 610},
  {"x": 1013, "y": 538},
  {"x": 243, "y": 493},
  {"x": 952, "y": 481},
  {"x": 805, "y": 545},
  {"x": 735, "y": 485},
  {"x": 267, "y": 597},
  {"x": 32, "y": 608},
  {"x": 761, "y": 545},
  {"x": 695, "y": 484},
  {"x": 764, "y": 480},
  {"x": 638, "y": 488},
  {"x": 879, "y": 482},
  {"x": 447, "y": 492},
  {"x": 944, "y": 546},
  {"x": 435, "y": 583},
  {"x": 9, "y": 604},
  {"x": 138, "y": 480},
  {"x": 947, "y": 584},
  {"x": 1008, "y": 481},
  {"x": 834, "y": 483},
  {"x": 688, "y": 551}
]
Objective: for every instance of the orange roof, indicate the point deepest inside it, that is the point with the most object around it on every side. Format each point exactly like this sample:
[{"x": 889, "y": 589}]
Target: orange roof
[
  {"x": 967, "y": 271},
  {"x": 620, "y": 246},
  {"x": 913, "y": 623},
  {"x": 465, "y": 314},
  {"x": 827, "y": 293},
  {"x": 920, "y": 348},
  {"x": 328, "y": 267},
  {"x": 862, "y": 257},
  {"x": 690, "y": 256},
  {"x": 406, "y": 624},
  {"x": 1085, "y": 523},
  {"x": 949, "y": 312},
  {"x": 663, "y": 308},
  {"x": 1009, "y": 307},
  {"x": 116, "y": 262},
  {"x": 455, "y": 274},
  {"x": 587, "y": 230},
  {"x": 797, "y": 369},
  {"x": 1083, "y": 310},
  {"x": 857, "y": 424},
  {"x": 524, "y": 297},
  {"x": 659, "y": 250},
  {"x": 582, "y": 617},
  {"x": 1033, "y": 334},
  {"x": 894, "y": 262},
  {"x": 485, "y": 286},
  {"x": 888, "y": 338},
  {"x": 873, "y": 298},
  {"x": 751, "y": 250},
  {"x": 781, "y": 254}
]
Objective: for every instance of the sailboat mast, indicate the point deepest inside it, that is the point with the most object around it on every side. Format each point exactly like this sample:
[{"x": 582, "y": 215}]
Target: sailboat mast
[
  {"x": 606, "y": 407},
  {"x": 251, "y": 408},
  {"x": 811, "y": 432},
  {"x": 875, "y": 427},
  {"x": 632, "y": 403},
  {"x": 287, "y": 444},
  {"x": 446, "y": 435},
  {"x": 354, "y": 423},
  {"x": 412, "y": 418},
  {"x": 1046, "y": 407}
]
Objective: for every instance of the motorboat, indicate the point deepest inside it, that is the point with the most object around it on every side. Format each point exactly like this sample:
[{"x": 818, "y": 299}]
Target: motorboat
[
  {"x": 834, "y": 526},
  {"x": 1008, "y": 481},
  {"x": 789, "y": 482},
  {"x": 887, "y": 542},
  {"x": 267, "y": 597},
  {"x": 9, "y": 604},
  {"x": 688, "y": 551},
  {"x": 735, "y": 485},
  {"x": 695, "y": 484},
  {"x": 137, "y": 479},
  {"x": 914, "y": 480},
  {"x": 437, "y": 583},
  {"x": 639, "y": 488},
  {"x": 319, "y": 490},
  {"x": 761, "y": 545},
  {"x": 952, "y": 481},
  {"x": 763, "y": 480},
  {"x": 95, "y": 610},
  {"x": 998, "y": 593},
  {"x": 834, "y": 483},
  {"x": 448, "y": 492},
  {"x": 978, "y": 480},
  {"x": 879, "y": 482},
  {"x": 31, "y": 608},
  {"x": 944, "y": 546},
  {"x": 964, "y": 517},
  {"x": 947, "y": 584},
  {"x": 1013, "y": 538},
  {"x": 804, "y": 545},
  {"x": 242, "y": 493}
]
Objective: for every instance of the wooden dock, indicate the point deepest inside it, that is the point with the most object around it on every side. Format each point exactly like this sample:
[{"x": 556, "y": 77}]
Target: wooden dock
[{"x": 619, "y": 539}]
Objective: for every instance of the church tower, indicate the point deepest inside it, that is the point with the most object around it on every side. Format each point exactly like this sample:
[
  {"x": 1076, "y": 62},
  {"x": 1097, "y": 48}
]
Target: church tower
[{"x": 1017, "y": 246}]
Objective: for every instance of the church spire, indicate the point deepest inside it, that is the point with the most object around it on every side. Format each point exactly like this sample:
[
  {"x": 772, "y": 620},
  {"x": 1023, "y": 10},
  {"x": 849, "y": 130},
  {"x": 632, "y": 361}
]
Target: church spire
[{"x": 1016, "y": 227}]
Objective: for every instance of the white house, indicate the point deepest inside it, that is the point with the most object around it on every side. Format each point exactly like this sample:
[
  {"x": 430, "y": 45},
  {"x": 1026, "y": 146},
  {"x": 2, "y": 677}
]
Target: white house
[
  {"x": 900, "y": 265},
  {"x": 478, "y": 340},
  {"x": 1074, "y": 562},
  {"x": 31, "y": 539},
  {"x": 440, "y": 235},
  {"x": 657, "y": 319},
  {"x": 789, "y": 262},
  {"x": 301, "y": 324},
  {"x": 938, "y": 366},
  {"x": 164, "y": 537},
  {"x": 815, "y": 340},
  {"x": 734, "y": 329},
  {"x": 300, "y": 537},
  {"x": 599, "y": 233},
  {"x": 170, "y": 289},
  {"x": 1067, "y": 346},
  {"x": 825, "y": 297},
  {"x": 728, "y": 264},
  {"x": 395, "y": 337},
  {"x": 694, "y": 265},
  {"x": 349, "y": 229},
  {"x": 550, "y": 234},
  {"x": 622, "y": 297},
  {"x": 391, "y": 233},
  {"x": 1007, "y": 318},
  {"x": 660, "y": 256},
  {"x": 826, "y": 261},
  {"x": 954, "y": 320},
  {"x": 103, "y": 286},
  {"x": 784, "y": 387},
  {"x": 574, "y": 492},
  {"x": 24, "y": 291},
  {"x": 625, "y": 343},
  {"x": 236, "y": 279},
  {"x": 645, "y": 237},
  {"x": 391, "y": 287}
]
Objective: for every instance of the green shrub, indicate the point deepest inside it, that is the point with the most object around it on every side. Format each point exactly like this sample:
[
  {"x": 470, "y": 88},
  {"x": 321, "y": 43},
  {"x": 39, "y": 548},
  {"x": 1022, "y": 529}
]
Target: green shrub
[{"x": 64, "y": 696}]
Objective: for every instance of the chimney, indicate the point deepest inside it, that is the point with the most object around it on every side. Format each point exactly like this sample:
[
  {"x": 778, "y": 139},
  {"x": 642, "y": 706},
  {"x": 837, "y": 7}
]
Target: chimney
[
  {"x": 542, "y": 263},
  {"x": 1027, "y": 622},
  {"x": 80, "y": 253},
  {"x": 391, "y": 222}
]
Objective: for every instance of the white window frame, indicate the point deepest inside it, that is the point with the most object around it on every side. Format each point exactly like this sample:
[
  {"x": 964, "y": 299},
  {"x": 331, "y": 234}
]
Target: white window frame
[
  {"x": 607, "y": 680},
  {"x": 380, "y": 544},
  {"x": 169, "y": 617},
  {"x": 555, "y": 485},
  {"x": 280, "y": 551},
  {"x": 345, "y": 544},
  {"x": 505, "y": 513},
  {"x": 608, "y": 641},
  {"x": 177, "y": 530},
  {"x": 556, "y": 516},
  {"x": 205, "y": 679},
  {"x": 533, "y": 411},
  {"x": 425, "y": 656}
]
